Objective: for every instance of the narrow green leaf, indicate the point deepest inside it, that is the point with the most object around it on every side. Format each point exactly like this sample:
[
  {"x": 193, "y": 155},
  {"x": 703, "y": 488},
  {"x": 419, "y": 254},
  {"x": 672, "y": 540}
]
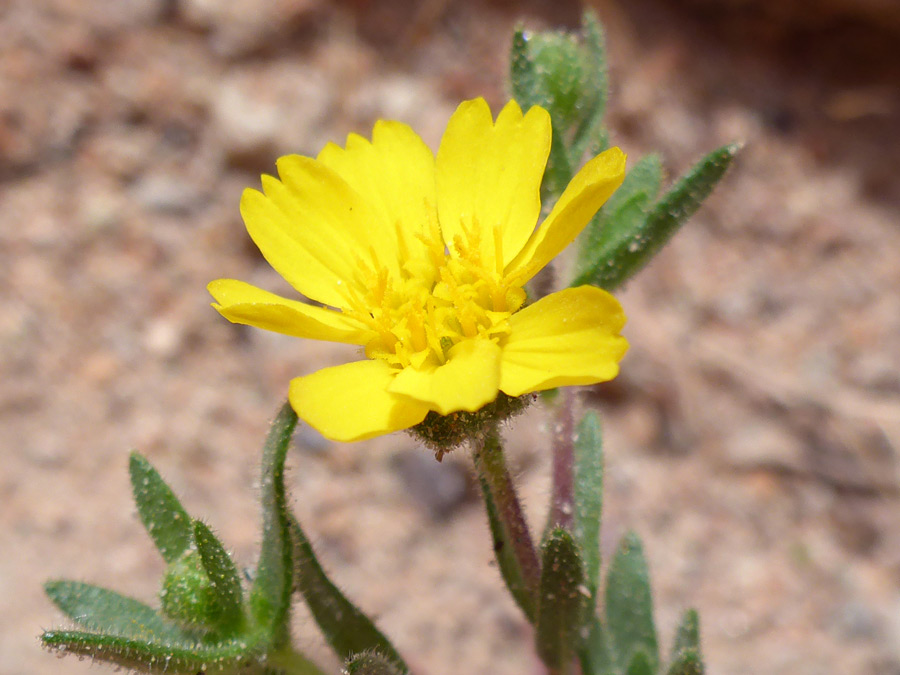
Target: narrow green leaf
[
  {"x": 522, "y": 76},
  {"x": 629, "y": 605},
  {"x": 509, "y": 566},
  {"x": 589, "y": 495},
  {"x": 270, "y": 595},
  {"x": 346, "y": 628},
  {"x": 630, "y": 253},
  {"x": 557, "y": 64},
  {"x": 154, "y": 655},
  {"x": 103, "y": 610},
  {"x": 558, "y": 172},
  {"x": 688, "y": 634},
  {"x": 165, "y": 519},
  {"x": 590, "y": 134},
  {"x": 224, "y": 577},
  {"x": 594, "y": 656},
  {"x": 370, "y": 663},
  {"x": 620, "y": 218},
  {"x": 688, "y": 662},
  {"x": 564, "y": 601},
  {"x": 641, "y": 664}
]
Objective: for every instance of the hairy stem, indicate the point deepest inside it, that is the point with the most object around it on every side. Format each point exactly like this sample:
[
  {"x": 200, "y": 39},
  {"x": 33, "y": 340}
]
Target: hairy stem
[
  {"x": 562, "y": 505},
  {"x": 490, "y": 462}
]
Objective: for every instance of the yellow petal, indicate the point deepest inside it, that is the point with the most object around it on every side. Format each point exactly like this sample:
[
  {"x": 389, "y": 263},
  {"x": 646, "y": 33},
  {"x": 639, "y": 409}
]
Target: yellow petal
[
  {"x": 394, "y": 174},
  {"x": 314, "y": 229},
  {"x": 467, "y": 381},
  {"x": 489, "y": 176},
  {"x": 566, "y": 338},
  {"x": 240, "y": 302},
  {"x": 351, "y": 402},
  {"x": 582, "y": 198}
]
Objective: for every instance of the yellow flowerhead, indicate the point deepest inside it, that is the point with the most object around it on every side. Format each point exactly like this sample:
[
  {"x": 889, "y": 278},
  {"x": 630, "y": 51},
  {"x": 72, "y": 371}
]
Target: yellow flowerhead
[{"x": 421, "y": 260}]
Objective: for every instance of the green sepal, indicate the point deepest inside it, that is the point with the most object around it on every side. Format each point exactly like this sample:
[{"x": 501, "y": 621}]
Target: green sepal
[
  {"x": 504, "y": 551},
  {"x": 590, "y": 134},
  {"x": 346, "y": 628},
  {"x": 225, "y": 581},
  {"x": 371, "y": 663},
  {"x": 270, "y": 595},
  {"x": 564, "y": 601},
  {"x": 687, "y": 636},
  {"x": 588, "y": 488},
  {"x": 155, "y": 655},
  {"x": 629, "y": 605},
  {"x": 632, "y": 248},
  {"x": 641, "y": 664},
  {"x": 164, "y": 518},
  {"x": 109, "y": 612},
  {"x": 595, "y": 655}
]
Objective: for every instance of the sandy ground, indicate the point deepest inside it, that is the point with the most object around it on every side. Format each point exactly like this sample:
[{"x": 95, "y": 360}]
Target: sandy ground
[{"x": 752, "y": 438}]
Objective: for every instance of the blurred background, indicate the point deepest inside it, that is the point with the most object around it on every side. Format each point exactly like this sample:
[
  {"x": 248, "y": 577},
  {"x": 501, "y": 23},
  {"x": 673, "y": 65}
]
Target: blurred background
[{"x": 752, "y": 438}]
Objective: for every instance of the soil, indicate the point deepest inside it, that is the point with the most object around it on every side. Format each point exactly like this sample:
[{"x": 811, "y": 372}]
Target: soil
[{"x": 752, "y": 438}]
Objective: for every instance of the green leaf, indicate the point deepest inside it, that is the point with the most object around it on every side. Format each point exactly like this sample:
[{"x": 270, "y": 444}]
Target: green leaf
[
  {"x": 165, "y": 519},
  {"x": 564, "y": 601},
  {"x": 270, "y": 595},
  {"x": 155, "y": 655},
  {"x": 629, "y": 605},
  {"x": 523, "y": 79},
  {"x": 226, "y": 583},
  {"x": 370, "y": 663},
  {"x": 530, "y": 84},
  {"x": 346, "y": 628},
  {"x": 558, "y": 172},
  {"x": 594, "y": 656},
  {"x": 633, "y": 249},
  {"x": 103, "y": 610},
  {"x": 590, "y": 134},
  {"x": 622, "y": 215},
  {"x": 641, "y": 664},
  {"x": 688, "y": 662},
  {"x": 589, "y": 495},
  {"x": 557, "y": 65},
  {"x": 688, "y": 634},
  {"x": 509, "y": 566}
]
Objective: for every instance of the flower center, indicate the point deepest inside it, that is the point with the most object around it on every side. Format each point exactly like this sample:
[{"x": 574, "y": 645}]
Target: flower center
[{"x": 439, "y": 299}]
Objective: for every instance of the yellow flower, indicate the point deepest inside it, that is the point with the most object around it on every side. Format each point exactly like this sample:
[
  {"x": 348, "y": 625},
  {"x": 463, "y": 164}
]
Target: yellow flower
[{"x": 421, "y": 260}]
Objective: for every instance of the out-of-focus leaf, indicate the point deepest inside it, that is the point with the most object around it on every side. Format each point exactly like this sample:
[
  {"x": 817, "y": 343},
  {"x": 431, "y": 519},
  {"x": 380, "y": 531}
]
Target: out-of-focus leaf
[
  {"x": 631, "y": 247},
  {"x": 589, "y": 495},
  {"x": 629, "y": 605}
]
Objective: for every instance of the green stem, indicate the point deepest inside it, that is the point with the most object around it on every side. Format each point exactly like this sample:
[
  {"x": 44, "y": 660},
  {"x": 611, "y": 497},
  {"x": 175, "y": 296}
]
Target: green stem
[{"x": 487, "y": 453}]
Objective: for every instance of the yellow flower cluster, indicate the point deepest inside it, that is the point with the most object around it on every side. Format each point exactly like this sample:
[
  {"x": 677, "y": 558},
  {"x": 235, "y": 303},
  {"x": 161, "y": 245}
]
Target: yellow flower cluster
[{"x": 421, "y": 260}]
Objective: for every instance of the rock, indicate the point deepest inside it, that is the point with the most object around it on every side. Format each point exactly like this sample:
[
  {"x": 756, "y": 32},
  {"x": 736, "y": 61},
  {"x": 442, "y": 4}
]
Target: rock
[
  {"x": 239, "y": 27},
  {"x": 260, "y": 113}
]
